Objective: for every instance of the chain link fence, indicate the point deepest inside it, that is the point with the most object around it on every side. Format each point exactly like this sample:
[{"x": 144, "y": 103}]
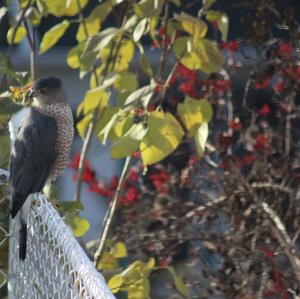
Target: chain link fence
[{"x": 56, "y": 267}]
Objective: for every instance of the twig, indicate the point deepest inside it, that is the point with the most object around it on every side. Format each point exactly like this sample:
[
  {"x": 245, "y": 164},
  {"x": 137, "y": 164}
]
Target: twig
[
  {"x": 111, "y": 212},
  {"x": 271, "y": 186},
  {"x": 165, "y": 45},
  {"x": 19, "y": 22},
  {"x": 90, "y": 131},
  {"x": 201, "y": 208},
  {"x": 32, "y": 43},
  {"x": 279, "y": 232},
  {"x": 263, "y": 282}
]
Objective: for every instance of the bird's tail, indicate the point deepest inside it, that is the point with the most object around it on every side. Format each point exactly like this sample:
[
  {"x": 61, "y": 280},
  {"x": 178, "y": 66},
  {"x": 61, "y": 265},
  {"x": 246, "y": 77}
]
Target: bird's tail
[{"x": 22, "y": 240}]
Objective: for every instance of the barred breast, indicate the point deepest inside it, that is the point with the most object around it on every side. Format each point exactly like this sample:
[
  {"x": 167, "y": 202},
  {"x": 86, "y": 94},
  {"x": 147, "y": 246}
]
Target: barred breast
[{"x": 65, "y": 133}]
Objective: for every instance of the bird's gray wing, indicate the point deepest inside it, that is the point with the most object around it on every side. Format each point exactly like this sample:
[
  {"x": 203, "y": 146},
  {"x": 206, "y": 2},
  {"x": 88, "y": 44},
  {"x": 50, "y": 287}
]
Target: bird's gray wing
[{"x": 32, "y": 156}]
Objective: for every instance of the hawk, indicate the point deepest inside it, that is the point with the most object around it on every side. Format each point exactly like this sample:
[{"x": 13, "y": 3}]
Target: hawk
[{"x": 42, "y": 147}]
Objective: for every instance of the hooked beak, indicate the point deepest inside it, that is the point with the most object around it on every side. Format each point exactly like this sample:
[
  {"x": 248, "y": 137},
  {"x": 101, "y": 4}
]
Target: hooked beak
[{"x": 32, "y": 94}]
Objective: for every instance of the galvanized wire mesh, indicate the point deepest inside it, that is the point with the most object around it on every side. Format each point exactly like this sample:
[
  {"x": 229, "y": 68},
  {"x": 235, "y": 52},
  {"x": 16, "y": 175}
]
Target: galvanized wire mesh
[
  {"x": 4, "y": 235},
  {"x": 55, "y": 267}
]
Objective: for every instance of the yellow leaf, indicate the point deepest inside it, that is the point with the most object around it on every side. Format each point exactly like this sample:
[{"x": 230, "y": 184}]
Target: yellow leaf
[
  {"x": 83, "y": 125},
  {"x": 94, "y": 98},
  {"x": 206, "y": 109},
  {"x": 126, "y": 81},
  {"x": 192, "y": 25},
  {"x": 179, "y": 284},
  {"x": 129, "y": 143},
  {"x": 139, "y": 290},
  {"x": 122, "y": 125},
  {"x": 107, "y": 262},
  {"x": 90, "y": 26},
  {"x": 61, "y": 8},
  {"x": 190, "y": 114},
  {"x": 93, "y": 22},
  {"x": 124, "y": 57},
  {"x": 115, "y": 283},
  {"x": 119, "y": 250},
  {"x": 93, "y": 81},
  {"x": 78, "y": 224},
  {"x": 151, "y": 263},
  {"x": 163, "y": 136},
  {"x": 52, "y": 36},
  {"x": 73, "y": 56},
  {"x": 19, "y": 35},
  {"x": 200, "y": 138}
]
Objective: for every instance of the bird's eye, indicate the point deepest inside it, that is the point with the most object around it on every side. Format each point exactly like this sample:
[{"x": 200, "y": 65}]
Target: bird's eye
[{"x": 43, "y": 91}]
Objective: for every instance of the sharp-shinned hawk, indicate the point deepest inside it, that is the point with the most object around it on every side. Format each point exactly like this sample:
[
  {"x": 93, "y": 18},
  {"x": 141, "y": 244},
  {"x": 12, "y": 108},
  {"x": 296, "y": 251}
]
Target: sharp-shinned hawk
[{"x": 42, "y": 147}]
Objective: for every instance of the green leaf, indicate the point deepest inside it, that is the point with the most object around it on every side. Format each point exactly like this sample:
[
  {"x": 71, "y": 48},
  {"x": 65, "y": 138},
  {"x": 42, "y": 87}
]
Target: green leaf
[
  {"x": 191, "y": 114},
  {"x": 61, "y": 8},
  {"x": 203, "y": 55},
  {"x": 140, "y": 29},
  {"x": 120, "y": 250},
  {"x": 4, "y": 149},
  {"x": 25, "y": 3},
  {"x": 115, "y": 283},
  {"x": 223, "y": 24},
  {"x": 19, "y": 35},
  {"x": 52, "y": 36},
  {"x": 193, "y": 26},
  {"x": 180, "y": 46},
  {"x": 105, "y": 133},
  {"x": 73, "y": 56},
  {"x": 106, "y": 116},
  {"x": 206, "y": 109},
  {"x": 163, "y": 136},
  {"x": 222, "y": 21},
  {"x": 102, "y": 10},
  {"x": 140, "y": 96},
  {"x": 129, "y": 143},
  {"x": 145, "y": 65},
  {"x": 78, "y": 224},
  {"x": 207, "y": 4},
  {"x": 95, "y": 44},
  {"x": 35, "y": 17},
  {"x": 70, "y": 206},
  {"x": 8, "y": 107},
  {"x": 176, "y": 2},
  {"x": 200, "y": 139},
  {"x": 126, "y": 81},
  {"x": 179, "y": 284},
  {"x": 3, "y": 11},
  {"x": 131, "y": 22},
  {"x": 209, "y": 56},
  {"x": 148, "y": 8}
]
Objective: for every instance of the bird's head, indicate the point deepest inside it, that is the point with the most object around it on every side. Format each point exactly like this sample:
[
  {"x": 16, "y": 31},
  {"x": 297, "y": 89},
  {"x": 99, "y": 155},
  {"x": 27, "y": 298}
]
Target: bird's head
[{"x": 49, "y": 91}]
